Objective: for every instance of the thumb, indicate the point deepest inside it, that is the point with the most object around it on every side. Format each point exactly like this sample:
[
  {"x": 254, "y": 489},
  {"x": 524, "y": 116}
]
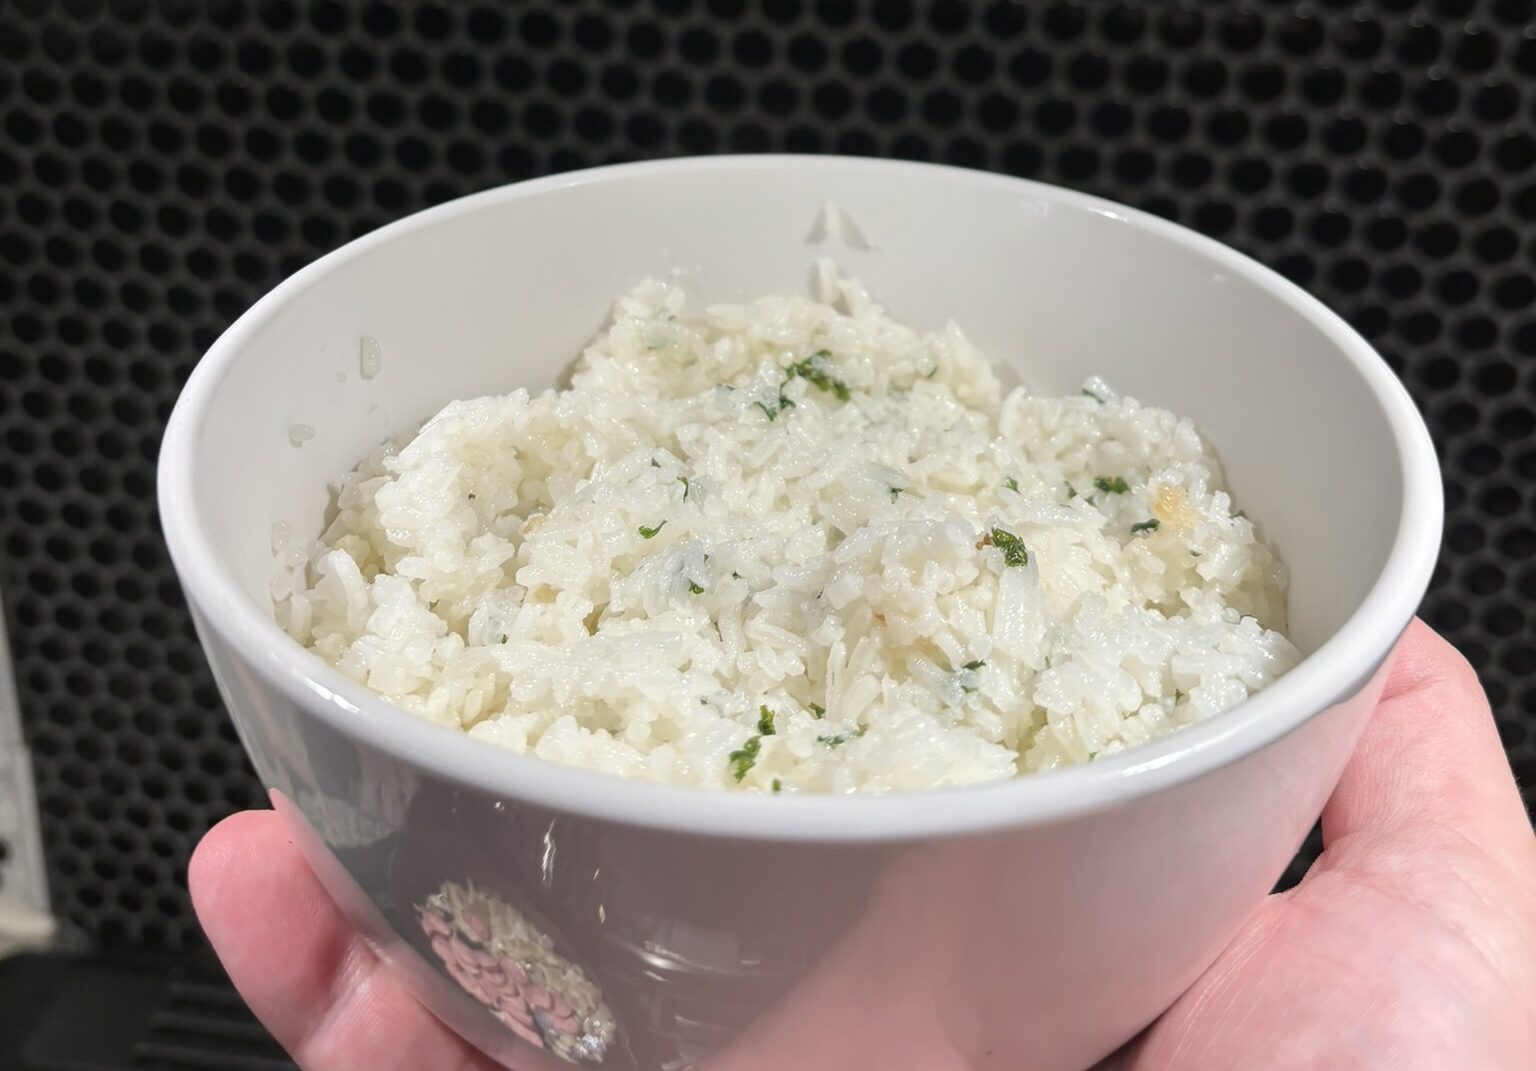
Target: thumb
[{"x": 1430, "y": 756}]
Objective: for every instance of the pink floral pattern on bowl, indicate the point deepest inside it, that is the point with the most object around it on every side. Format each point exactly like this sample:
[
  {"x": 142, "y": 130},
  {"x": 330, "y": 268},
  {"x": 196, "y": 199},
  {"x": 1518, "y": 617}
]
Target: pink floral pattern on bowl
[{"x": 510, "y": 966}]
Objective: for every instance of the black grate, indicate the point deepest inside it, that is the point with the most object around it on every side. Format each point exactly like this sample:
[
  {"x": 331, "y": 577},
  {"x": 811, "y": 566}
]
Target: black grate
[
  {"x": 140, "y": 1015},
  {"x": 163, "y": 164}
]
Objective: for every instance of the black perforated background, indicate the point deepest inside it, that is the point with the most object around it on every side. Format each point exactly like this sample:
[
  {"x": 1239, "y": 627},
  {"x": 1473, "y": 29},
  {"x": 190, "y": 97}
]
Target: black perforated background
[{"x": 163, "y": 164}]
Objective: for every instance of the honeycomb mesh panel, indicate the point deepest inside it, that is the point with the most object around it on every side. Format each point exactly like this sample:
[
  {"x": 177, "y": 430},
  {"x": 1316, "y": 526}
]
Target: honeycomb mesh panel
[{"x": 162, "y": 164}]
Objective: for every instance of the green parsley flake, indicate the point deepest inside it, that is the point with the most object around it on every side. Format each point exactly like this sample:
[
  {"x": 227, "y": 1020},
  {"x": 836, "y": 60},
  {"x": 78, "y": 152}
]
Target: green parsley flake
[
  {"x": 695, "y": 588},
  {"x": 778, "y": 786},
  {"x": 650, "y": 533},
  {"x": 1111, "y": 485},
  {"x": 1147, "y": 526},
  {"x": 840, "y": 739},
  {"x": 1011, "y": 484},
  {"x": 1090, "y": 394},
  {"x": 818, "y": 711},
  {"x": 814, "y": 371},
  {"x": 765, "y": 720},
  {"x": 773, "y": 411},
  {"x": 745, "y": 757},
  {"x": 896, "y": 492},
  {"x": 655, "y": 464},
  {"x": 503, "y": 638},
  {"x": 1014, "y": 551},
  {"x": 684, "y": 481},
  {"x": 1071, "y": 492},
  {"x": 974, "y": 665}
]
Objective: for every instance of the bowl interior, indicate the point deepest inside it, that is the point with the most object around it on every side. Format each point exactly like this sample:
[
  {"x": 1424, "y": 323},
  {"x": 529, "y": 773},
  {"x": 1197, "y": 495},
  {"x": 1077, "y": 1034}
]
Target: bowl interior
[{"x": 502, "y": 290}]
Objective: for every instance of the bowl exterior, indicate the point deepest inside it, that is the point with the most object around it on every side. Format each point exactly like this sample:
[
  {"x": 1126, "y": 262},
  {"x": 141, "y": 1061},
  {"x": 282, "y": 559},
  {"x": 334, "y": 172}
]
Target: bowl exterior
[{"x": 555, "y": 939}]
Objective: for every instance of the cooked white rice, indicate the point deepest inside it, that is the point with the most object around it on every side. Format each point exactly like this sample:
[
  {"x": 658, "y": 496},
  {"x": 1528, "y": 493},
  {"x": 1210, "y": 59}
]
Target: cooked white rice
[{"x": 721, "y": 559}]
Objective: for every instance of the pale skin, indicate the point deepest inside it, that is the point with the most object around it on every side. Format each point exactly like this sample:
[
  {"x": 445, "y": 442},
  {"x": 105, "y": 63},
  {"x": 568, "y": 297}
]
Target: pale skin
[{"x": 1411, "y": 944}]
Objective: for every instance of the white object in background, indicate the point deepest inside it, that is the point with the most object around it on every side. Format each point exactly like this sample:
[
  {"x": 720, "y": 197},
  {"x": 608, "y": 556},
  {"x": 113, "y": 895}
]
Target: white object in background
[{"x": 25, "y": 921}]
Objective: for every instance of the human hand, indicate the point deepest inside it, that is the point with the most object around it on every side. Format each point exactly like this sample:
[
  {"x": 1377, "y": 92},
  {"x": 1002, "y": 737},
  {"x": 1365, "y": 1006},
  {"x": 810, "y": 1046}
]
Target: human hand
[{"x": 1410, "y": 944}]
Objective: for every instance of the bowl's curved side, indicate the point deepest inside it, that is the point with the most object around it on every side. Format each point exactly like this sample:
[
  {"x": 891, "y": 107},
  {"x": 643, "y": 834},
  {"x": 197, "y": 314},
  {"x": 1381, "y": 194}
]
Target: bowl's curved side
[{"x": 664, "y": 949}]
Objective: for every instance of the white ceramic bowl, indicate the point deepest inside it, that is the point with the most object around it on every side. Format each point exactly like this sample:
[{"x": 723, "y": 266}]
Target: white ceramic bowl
[{"x": 1036, "y": 923}]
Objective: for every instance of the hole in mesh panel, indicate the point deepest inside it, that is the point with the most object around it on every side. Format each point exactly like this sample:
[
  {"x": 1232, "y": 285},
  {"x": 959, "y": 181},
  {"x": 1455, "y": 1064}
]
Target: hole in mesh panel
[
  {"x": 1249, "y": 175},
  {"x": 1077, "y": 163},
  {"x": 1087, "y": 72},
  {"x": 1500, "y": 501},
  {"x": 1065, "y": 21},
  {"x": 1204, "y": 77},
  {"x": 1419, "y": 328},
  {"x": 1360, "y": 37},
  {"x": 1181, "y": 28},
  {"x": 1475, "y": 50},
  {"x": 1496, "y": 378},
  {"x": 1465, "y": 537},
  {"x": 1145, "y": 74},
  {"x": 1323, "y": 86},
  {"x": 1122, "y": 24},
  {"x": 1228, "y": 126},
  {"x": 1496, "y": 244},
  {"x": 1480, "y": 459},
  {"x": 1382, "y": 89},
  {"x": 1496, "y": 101},
  {"x": 1439, "y": 239},
  {"x": 1031, "y": 67},
  {"x": 974, "y": 64},
  {"x": 1515, "y": 152},
  {"x": 1386, "y": 233},
  {"x": 1457, "y": 147},
  {"x": 940, "y": 107}
]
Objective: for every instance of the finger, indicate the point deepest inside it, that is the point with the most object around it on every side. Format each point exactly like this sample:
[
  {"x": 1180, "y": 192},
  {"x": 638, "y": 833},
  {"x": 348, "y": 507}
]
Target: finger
[
  {"x": 297, "y": 962},
  {"x": 1430, "y": 755}
]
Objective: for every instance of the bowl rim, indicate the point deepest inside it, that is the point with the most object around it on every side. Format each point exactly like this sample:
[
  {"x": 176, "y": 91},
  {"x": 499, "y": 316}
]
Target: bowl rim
[{"x": 1333, "y": 672}]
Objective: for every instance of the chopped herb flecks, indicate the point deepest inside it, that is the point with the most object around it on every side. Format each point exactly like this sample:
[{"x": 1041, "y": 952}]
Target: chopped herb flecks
[
  {"x": 896, "y": 492},
  {"x": 840, "y": 739},
  {"x": 1095, "y": 397},
  {"x": 773, "y": 411},
  {"x": 655, "y": 464},
  {"x": 684, "y": 481},
  {"x": 745, "y": 757},
  {"x": 695, "y": 588},
  {"x": 1111, "y": 485},
  {"x": 814, "y": 371},
  {"x": 503, "y": 638},
  {"x": 471, "y": 496},
  {"x": 818, "y": 711},
  {"x": 778, "y": 786},
  {"x": 650, "y": 533},
  {"x": 1147, "y": 526},
  {"x": 1014, "y": 551},
  {"x": 1071, "y": 492},
  {"x": 765, "y": 720},
  {"x": 1011, "y": 484},
  {"x": 974, "y": 665}
]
